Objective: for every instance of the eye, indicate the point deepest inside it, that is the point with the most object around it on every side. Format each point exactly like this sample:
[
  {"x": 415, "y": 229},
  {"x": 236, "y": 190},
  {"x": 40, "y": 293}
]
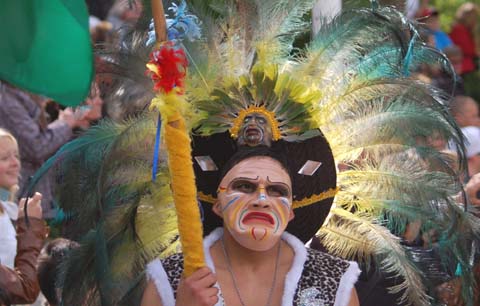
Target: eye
[
  {"x": 244, "y": 186},
  {"x": 261, "y": 120},
  {"x": 277, "y": 191},
  {"x": 247, "y": 119}
]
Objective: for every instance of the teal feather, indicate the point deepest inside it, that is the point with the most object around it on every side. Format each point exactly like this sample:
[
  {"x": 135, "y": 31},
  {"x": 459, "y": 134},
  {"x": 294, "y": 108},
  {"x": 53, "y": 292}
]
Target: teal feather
[
  {"x": 407, "y": 61},
  {"x": 103, "y": 180}
]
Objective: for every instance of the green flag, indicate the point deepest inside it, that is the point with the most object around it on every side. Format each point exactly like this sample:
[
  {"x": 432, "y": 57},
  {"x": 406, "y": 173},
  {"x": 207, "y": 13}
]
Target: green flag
[{"x": 45, "y": 48}]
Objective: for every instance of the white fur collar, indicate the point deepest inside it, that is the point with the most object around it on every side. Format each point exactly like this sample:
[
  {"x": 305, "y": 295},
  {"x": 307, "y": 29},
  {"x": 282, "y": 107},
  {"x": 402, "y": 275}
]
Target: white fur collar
[
  {"x": 293, "y": 276},
  {"x": 157, "y": 274}
]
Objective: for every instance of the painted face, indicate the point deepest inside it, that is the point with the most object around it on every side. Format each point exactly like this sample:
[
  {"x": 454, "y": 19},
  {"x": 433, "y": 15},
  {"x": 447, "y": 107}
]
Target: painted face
[
  {"x": 9, "y": 163},
  {"x": 255, "y": 130},
  {"x": 255, "y": 202}
]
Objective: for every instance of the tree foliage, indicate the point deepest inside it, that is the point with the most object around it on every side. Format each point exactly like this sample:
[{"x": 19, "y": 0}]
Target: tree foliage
[{"x": 447, "y": 9}]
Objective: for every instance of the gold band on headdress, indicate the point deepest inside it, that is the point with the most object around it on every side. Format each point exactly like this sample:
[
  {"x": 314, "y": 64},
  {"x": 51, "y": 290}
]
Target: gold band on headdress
[
  {"x": 206, "y": 197},
  {"x": 330, "y": 193},
  {"x": 270, "y": 116}
]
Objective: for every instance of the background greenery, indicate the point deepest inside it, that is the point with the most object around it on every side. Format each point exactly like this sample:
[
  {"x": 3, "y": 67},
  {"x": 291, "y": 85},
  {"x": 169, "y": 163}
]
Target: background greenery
[{"x": 447, "y": 8}]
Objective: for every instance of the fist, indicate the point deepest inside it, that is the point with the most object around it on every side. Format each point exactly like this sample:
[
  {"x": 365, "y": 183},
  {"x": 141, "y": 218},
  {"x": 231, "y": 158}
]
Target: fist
[
  {"x": 197, "y": 289},
  {"x": 34, "y": 207}
]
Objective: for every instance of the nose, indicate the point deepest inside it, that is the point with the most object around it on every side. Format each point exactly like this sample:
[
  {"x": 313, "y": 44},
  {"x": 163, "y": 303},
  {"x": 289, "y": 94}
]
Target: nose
[
  {"x": 15, "y": 161},
  {"x": 257, "y": 120},
  {"x": 262, "y": 200}
]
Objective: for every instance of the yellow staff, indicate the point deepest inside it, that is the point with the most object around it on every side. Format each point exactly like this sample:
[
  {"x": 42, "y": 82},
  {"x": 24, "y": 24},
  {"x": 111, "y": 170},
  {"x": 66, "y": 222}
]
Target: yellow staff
[{"x": 169, "y": 100}]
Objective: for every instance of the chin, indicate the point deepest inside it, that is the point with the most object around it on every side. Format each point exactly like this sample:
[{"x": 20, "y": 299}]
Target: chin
[
  {"x": 12, "y": 184},
  {"x": 9, "y": 184},
  {"x": 247, "y": 241}
]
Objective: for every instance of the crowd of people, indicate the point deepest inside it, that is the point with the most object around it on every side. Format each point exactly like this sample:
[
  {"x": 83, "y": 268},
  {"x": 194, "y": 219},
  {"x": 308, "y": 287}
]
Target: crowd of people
[
  {"x": 259, "y": 177},
  {"x": 459, "y": 46}
]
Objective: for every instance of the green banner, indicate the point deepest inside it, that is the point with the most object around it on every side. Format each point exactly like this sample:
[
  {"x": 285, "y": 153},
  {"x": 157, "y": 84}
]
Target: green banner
[{"x": 45, "y": 48}]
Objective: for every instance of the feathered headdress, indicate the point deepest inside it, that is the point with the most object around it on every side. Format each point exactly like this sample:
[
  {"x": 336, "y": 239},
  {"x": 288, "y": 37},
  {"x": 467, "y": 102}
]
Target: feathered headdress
[{"x": 353, "y": 82}]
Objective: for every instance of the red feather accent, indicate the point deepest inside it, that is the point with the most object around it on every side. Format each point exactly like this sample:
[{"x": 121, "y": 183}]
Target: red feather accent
[{"x": 171, "y": 64}]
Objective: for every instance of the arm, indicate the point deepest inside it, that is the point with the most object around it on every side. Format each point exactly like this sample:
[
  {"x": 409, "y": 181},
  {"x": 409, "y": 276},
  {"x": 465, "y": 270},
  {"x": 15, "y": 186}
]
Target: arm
[
  {"x": 36, "y": 144},
  {"x": 20, "y": 285},
  {"x": 150, "y": 296},
  {"x": 354, "y": 298}
]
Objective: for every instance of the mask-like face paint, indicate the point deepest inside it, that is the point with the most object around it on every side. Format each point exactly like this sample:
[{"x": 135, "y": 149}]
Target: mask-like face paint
[
  {"x": 255, "y": 202},
  {"x": 255, "y": 130}
]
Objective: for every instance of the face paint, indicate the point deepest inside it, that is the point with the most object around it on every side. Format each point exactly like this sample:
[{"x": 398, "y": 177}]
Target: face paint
[
  {"x": 231, "y": 202},
  {"x": 262, "y": 196},
  {"x": 256, "y": 202}
]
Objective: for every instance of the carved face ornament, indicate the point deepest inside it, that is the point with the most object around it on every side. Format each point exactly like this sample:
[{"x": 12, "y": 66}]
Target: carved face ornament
[{"x": 255, "y": 131}]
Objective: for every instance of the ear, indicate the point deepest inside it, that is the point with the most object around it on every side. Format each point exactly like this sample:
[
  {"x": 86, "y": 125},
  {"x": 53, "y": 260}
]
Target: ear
[
  {"x": 217, "y": 209},
  {"x": 292, "y": 215}
]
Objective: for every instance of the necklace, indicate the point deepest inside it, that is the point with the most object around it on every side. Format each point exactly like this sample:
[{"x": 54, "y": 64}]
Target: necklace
[{"x": 235, "y": 285}]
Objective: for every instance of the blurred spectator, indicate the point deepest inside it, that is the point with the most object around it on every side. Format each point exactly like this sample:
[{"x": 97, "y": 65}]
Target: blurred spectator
[
  {"x": 99, "y": 30},
  {"x": 23, "y": 114},
  {"x": 9, "y": 173},
  {"x": 415, "y": 7},
  {"x": 472, "y": 145},
  {"x": 451, "y": 84},
  {"x": 411, "y": 8},
  {"x": 431, "y": 18},
  {"x": 472, "y": 188},
  {"x": 465, "y": 111},
  {"x": 427, "y": 37},
  {"x": 92, "y": 108},
  {"x": 124, "y": 13},
  {"x": 437, "y": 141},
  {"x": 94, "y": 105},
  {"x": 462, "y": 35},
  {"x": 455, "y": 56},
  {"x": 99, "y": 9},
  {"x": 49, "y": 263},
  {"x": 20, "y": 285}
]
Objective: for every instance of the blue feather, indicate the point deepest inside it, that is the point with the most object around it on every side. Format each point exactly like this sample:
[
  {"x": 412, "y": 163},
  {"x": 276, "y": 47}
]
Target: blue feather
[
  {"x": 409, "y": 56},
  {"x": 182, "y": 26}
]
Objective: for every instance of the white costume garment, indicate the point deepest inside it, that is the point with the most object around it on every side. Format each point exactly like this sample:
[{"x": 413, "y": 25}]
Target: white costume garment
[
  {"x": 8, "y": 235},
  {"x": 315, "y": 278}
]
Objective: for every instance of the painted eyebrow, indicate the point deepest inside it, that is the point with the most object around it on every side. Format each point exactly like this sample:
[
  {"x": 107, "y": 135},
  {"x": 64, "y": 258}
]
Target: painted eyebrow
[
  {"x": 280, "y": 183},
  {"x": 244, "y": 179}
]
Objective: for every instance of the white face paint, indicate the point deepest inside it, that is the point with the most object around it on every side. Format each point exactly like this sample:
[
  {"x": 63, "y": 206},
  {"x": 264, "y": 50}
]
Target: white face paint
[{"x": 255, "y": 202}]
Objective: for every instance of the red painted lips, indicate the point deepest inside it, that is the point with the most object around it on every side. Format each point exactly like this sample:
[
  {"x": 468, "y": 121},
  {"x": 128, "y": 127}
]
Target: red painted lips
[{"x": 258, "y": 216}]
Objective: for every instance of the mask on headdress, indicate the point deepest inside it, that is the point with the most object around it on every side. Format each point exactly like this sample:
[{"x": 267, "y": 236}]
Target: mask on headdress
[{"x": 255, "y": 131}]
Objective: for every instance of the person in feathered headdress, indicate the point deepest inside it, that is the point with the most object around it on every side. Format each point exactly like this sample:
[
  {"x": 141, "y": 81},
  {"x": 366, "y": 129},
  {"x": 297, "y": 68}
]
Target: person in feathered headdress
[
  {"x": 254, "y": 258},
  {"x": 255, "y": 93}
]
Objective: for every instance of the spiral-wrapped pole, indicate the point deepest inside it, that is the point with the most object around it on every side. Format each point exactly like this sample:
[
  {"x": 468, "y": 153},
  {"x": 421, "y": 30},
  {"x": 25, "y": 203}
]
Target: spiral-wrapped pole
[{"x": 178, "y": 144}]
